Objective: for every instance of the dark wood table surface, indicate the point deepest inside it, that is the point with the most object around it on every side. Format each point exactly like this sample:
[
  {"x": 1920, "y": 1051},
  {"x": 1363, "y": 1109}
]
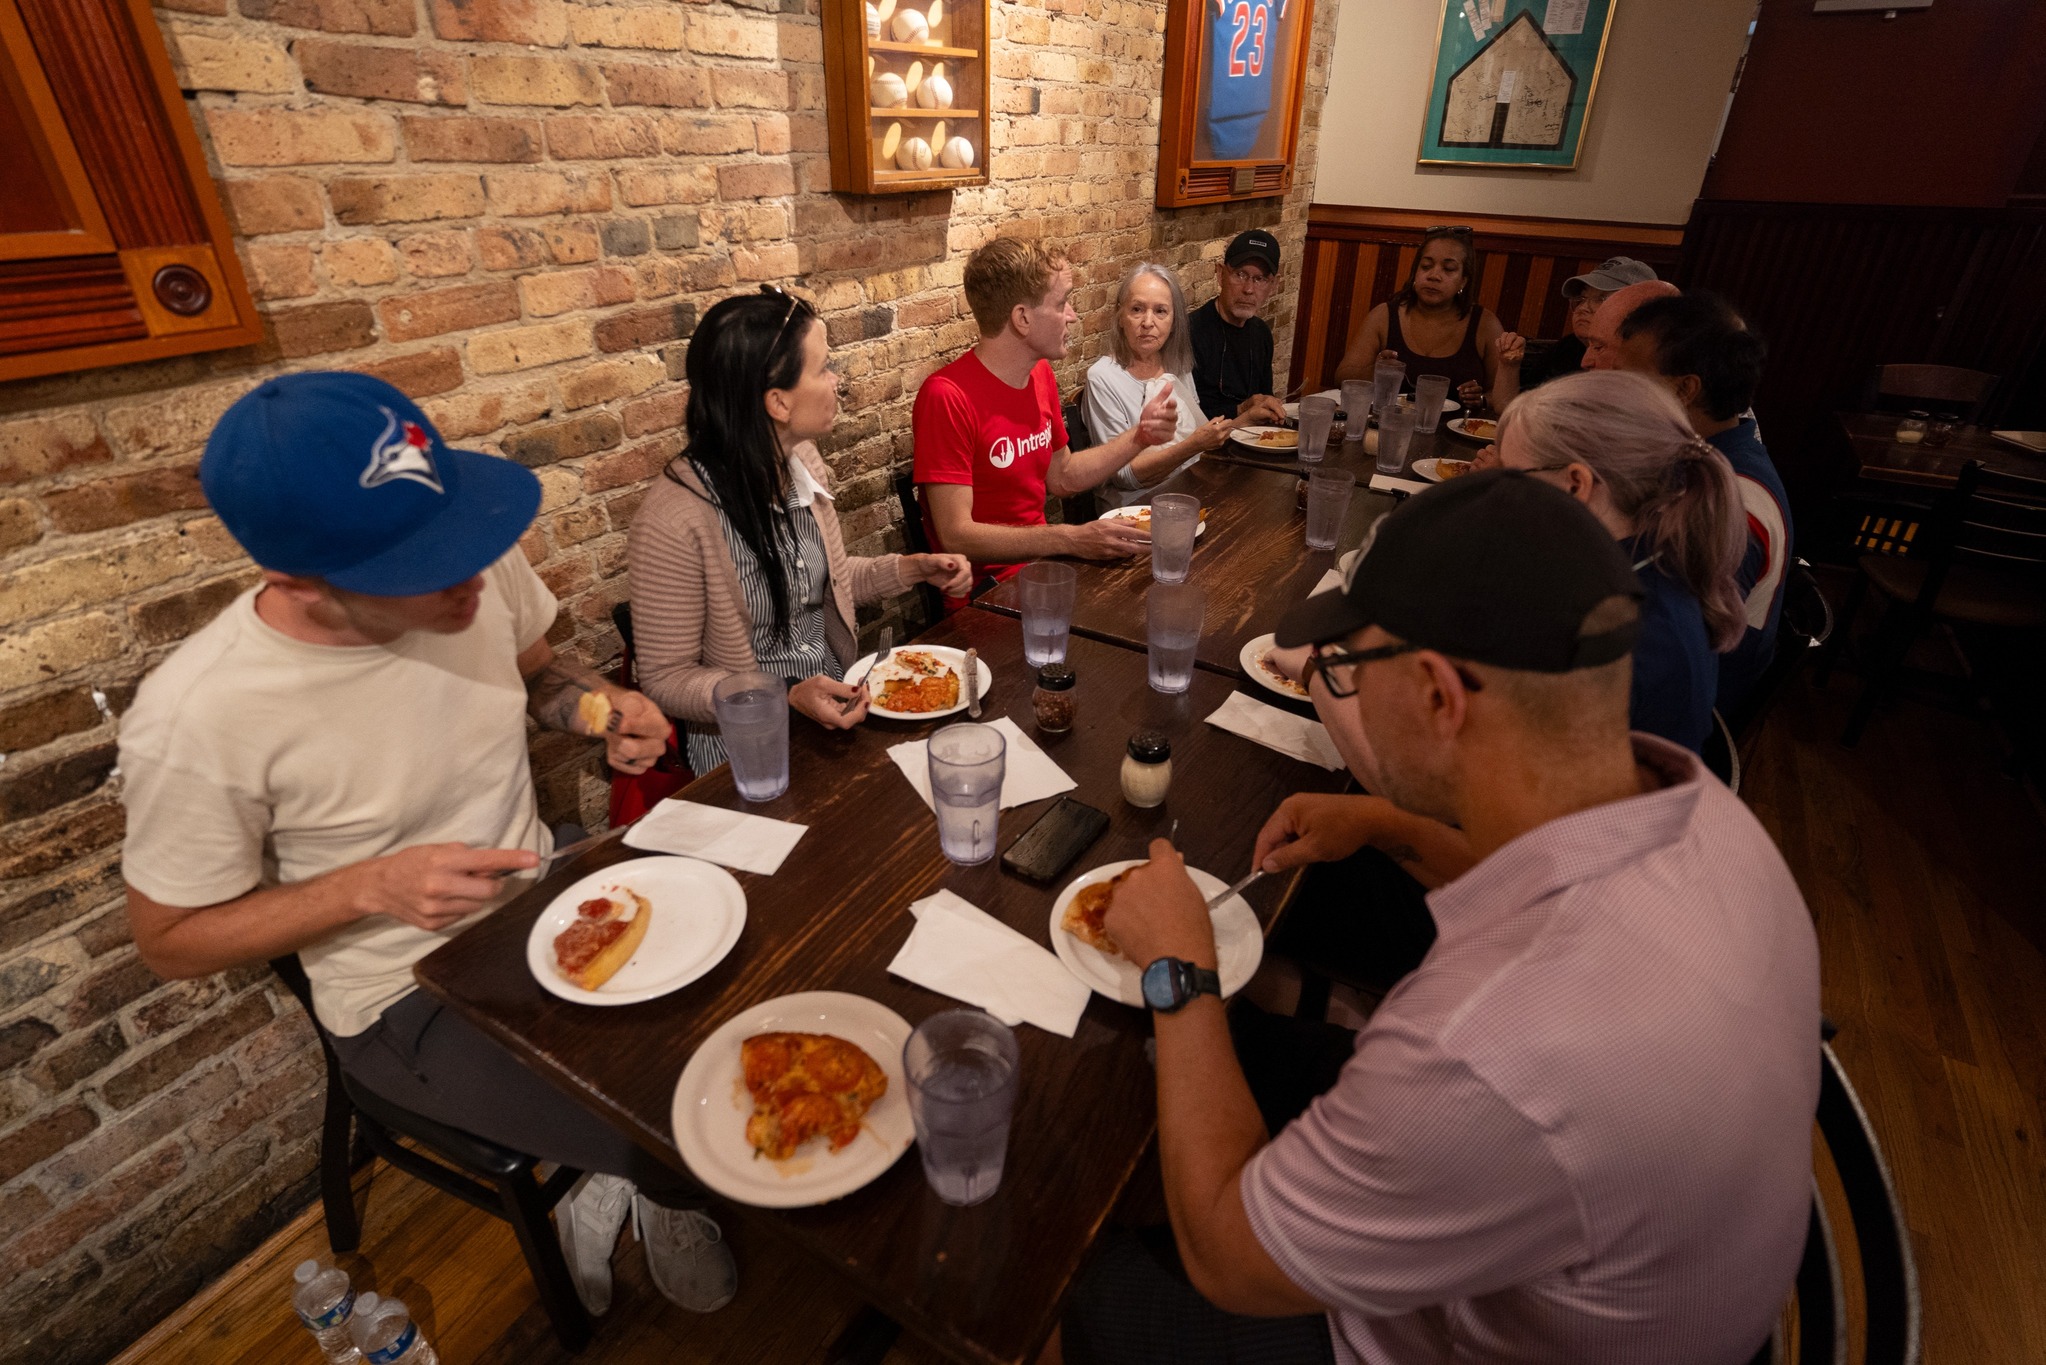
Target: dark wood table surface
[
  {"x": 1253, "y": 562},
  {"x": 983, "y": 1284},
  {"x": 1872, "y": 436}
]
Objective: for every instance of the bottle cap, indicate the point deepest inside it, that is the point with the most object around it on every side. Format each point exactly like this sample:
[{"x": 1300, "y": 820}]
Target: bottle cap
[
  {"x": 1150, "y": 746},
  {"x": 305, "y": 1272},
  {"x": 1056, "y": 678}
]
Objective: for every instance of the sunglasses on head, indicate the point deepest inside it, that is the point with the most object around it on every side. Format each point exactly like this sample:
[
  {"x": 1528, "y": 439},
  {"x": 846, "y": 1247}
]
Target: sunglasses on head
[{"x": 777, "y": 292}]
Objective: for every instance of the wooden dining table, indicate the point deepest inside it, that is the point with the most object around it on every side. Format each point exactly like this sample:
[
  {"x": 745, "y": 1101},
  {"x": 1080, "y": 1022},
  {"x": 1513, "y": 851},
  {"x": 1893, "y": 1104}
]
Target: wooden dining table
[
  {"x": 982, "y": 1284},
  {"x": 1878, "y": 456}
]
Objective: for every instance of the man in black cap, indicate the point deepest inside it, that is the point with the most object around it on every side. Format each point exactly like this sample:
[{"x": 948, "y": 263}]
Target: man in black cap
[
  {"x": 1232, "y": 345},
  {"x": 1581, "y": 1129},
  {"x": 1585, "y": 293}
]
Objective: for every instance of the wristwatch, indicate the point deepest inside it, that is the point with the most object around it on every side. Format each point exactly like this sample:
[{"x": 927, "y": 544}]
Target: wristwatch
[{"x": 1171, "y": 983}]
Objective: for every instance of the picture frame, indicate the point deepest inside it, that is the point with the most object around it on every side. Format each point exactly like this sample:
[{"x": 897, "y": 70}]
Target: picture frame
[
  {"x": 1235, "y": 76},
  {"x": 908, "y": 94},
  {"x": 1513, "y": 82}
]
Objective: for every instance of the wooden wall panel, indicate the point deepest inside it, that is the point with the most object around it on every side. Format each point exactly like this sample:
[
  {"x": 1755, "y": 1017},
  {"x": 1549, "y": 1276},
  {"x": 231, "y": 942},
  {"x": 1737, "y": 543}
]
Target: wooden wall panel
[{"x": 1358, "y": 258}]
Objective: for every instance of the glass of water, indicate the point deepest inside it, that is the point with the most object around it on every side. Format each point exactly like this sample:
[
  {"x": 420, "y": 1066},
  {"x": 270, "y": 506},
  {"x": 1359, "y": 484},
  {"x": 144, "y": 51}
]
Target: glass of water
[
  {"x": 1328, "y": 502},
  {"x": 1317, "y": 418},
  {"x": 1356, "y": 408},
  {"x": 967, "y": 766},
  {"x": 1175, "y": 521},
  {"x": 1395, "y": 435},
  {"x": 1173, "y": 614},
  {"x": 961, "y": 1067},
  {"x": 1429, "y": 392},
  {"x": 1385, "y": 382},
  {"x": 1047, "y": 591},
  {"x": 753, "y": 721}
]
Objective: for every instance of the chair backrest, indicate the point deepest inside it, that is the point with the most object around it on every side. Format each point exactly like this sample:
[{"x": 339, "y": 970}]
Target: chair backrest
[
  {"x": 1889, "y": 1271},
  {"x": 1989, "y": 519},
  {"x": 1956, "y": 389},
  {"x": 912, "y": 513},
  {"x": 1721, "y": 755}
]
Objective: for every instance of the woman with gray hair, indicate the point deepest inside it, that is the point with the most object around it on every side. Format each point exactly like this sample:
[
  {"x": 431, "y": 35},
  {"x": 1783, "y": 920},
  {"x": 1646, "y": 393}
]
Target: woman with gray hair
[{"x": 1149, "y": 351}]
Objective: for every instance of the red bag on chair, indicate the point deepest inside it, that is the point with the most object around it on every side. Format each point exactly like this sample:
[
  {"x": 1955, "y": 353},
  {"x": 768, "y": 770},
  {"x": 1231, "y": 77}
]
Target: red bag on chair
[{"x": 634, "y": 794}]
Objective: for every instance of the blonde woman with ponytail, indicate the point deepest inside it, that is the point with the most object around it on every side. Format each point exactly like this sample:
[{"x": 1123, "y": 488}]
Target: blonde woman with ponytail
[{"x": 1620, "y": 444}]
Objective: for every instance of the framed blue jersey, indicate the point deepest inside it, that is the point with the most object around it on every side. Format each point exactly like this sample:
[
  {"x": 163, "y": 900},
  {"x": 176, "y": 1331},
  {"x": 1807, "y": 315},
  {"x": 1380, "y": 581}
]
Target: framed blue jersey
[{"x": 1233, "y": 75}]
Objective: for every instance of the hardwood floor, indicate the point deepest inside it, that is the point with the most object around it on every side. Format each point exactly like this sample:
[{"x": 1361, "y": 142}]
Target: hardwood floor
[{"x": 1925, "y": 868}]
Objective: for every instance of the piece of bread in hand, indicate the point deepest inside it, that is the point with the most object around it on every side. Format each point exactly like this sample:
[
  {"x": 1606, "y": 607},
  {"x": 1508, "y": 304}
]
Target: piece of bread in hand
[{"x": 593, "y": 709}]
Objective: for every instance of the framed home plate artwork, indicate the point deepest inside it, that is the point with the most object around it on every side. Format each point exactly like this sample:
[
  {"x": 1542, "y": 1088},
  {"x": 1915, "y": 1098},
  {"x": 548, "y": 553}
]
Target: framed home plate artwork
[{"x": 1513, "y": 82}]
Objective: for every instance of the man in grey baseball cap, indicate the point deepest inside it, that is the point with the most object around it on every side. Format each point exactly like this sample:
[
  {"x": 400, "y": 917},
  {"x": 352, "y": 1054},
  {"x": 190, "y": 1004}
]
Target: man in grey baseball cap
[{"x": 1585, "y": 293}]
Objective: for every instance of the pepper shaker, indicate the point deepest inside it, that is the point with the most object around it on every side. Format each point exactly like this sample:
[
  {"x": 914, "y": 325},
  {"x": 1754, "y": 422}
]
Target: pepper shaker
[{"x": 1053, "y": 699}]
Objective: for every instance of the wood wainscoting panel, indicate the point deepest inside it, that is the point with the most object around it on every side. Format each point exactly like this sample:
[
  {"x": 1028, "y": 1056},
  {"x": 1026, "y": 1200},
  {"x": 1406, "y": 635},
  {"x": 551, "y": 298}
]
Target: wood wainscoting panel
[{"x": 1357, "y": 258}]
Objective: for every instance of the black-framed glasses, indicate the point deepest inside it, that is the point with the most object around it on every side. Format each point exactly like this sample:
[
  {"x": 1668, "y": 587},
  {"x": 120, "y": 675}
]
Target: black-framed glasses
[
  {"x": 1324, "y": 659},
  {"x": 775, "y": 291},
  {"x": 1451, "y": 230}
]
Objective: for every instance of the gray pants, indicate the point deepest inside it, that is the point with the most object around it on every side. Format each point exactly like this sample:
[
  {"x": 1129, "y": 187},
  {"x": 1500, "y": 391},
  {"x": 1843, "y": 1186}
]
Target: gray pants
[{"x": 428, "y": 1059}]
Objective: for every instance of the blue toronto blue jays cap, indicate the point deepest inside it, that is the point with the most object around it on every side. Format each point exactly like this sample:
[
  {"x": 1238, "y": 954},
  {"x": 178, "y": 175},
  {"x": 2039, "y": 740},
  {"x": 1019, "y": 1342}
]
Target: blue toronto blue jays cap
[{"x": 341, "y": 477}]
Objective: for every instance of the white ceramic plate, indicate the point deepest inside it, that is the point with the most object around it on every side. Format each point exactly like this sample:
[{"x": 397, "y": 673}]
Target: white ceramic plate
[
  {"x": 1348, "y": 562},
  {"x": 944, "y": 654},
  {"x": 711, "y": 1105},
  {"x": 1252, "y": 657},
  {"x": 1248, "y": 436},
  {"x": 1488, "y": 429},
  {"x": 1431, "y": 468},
  {"x": 2034, "y": 441},
  {"x": 698, "y": 911},
  {"x": 1239, "y": 943},
  {"x": 1137, "y": 509}
]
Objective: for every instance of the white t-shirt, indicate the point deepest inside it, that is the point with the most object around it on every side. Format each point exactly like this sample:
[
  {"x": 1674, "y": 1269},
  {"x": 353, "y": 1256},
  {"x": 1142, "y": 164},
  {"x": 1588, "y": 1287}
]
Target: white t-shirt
[
  {"x": 253, "y": 759},
  {"x": 1115, "y": 399}
]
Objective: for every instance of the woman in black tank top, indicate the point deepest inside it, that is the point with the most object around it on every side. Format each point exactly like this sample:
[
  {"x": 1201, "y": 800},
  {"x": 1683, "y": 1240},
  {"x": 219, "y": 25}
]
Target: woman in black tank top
[{"x": 1436, "y": 310}]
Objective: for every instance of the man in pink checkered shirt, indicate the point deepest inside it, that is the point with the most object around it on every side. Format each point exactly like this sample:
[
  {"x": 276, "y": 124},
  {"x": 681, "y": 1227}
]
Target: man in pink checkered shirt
[{"x": 1580, "y": 1130}]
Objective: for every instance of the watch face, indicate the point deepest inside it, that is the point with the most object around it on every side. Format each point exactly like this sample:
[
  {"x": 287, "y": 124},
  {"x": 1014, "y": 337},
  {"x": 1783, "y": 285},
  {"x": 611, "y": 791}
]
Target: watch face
[{"x": 1161, "y": 985}]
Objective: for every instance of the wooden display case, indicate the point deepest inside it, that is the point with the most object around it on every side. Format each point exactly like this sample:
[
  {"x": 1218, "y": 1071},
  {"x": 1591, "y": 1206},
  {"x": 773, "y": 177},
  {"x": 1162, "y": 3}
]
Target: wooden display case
[{"x": 906, "y": 92}]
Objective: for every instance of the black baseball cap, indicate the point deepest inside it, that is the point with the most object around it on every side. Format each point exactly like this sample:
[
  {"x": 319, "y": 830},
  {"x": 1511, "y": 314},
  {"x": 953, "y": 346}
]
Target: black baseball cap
[
  {"x": 1495, "y": 567},
  {"x": 1254, "y": 245}
]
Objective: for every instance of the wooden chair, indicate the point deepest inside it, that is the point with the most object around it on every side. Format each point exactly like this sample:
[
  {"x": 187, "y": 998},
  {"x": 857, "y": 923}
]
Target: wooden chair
[
  {"x": 1946, "y": 388},
  {"x": 1806, "y": 625},
  {"x": 917, "y": 541},
  {"x": 1888, "y": 1272},
  {"x": 495, "y": 1179},
  {"x": 1978, "y": 560}
]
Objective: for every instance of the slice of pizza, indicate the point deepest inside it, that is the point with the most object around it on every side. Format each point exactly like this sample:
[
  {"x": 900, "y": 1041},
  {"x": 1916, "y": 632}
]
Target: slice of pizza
[
  {"x": 1086, "y": 911},
  {"x": 806, "y": 1085},
  {"x": 606, "y": 932}
]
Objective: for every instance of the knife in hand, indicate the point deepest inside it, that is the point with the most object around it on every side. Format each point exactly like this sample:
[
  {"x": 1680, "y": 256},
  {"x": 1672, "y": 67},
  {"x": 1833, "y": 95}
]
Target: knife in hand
[
  {"x": 1237, "y": 889},
  {"x": 881, "y": 656},
  {"x": 566, "y": 851}
]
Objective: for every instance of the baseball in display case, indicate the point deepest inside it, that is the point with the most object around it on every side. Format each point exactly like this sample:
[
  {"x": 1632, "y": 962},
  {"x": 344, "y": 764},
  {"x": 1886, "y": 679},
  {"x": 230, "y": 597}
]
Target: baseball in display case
[
  {"x": 1235, "y": 71},
  {"x": 906, "y": 94}
]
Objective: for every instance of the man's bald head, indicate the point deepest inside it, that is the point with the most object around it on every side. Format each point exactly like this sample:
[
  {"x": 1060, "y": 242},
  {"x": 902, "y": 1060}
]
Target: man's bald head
[{"x": 1602, "y": 337}]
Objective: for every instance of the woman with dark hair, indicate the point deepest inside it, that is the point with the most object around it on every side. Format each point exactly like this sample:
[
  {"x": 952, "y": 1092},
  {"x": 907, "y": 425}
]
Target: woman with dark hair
[
  {"x": 736, "y": 559},
  {"x": 1434, "y": 325}
]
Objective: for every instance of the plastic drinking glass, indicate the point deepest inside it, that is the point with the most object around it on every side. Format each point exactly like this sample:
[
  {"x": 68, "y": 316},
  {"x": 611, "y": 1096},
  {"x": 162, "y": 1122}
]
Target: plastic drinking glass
[
  {"x": 1047, "y": 611},
  {"x": 1175, "y": 521},
  {"x": 753, "y": 721},
  {"x": 967, "y": 765},
  {"x": 1328, "y": 501},
  {"x": 1385, "y": 382},
  {"x": 1356, "y": 408},
  {"x": 961, "y": 1068},
  {"x": 1317, "y": 419},
  {"x": 1429, "y": 392},
  {"x": 1395, "y": 433},
  {"x": 1173, "y": 614}
]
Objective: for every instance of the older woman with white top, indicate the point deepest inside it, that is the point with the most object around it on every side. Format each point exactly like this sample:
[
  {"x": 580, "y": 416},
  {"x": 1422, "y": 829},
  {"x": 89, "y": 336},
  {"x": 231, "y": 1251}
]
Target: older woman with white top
[{"x": 1150, "y": 351}]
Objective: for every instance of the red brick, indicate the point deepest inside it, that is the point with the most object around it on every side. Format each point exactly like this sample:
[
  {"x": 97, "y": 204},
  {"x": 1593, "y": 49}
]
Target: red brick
[
  {"x": 275, "y": 203},
  {"x": 547, "y": 194},
  {"x": 743, "y": 88},
  {"x": 511, "y": 248},
  {"x": 124, "y": 498},
  {"x": 108, "y": 989},
  {"x": 392, "y": 18},
  {"x": 84, "y": 884},
  {"x": 596, "y": 137},
  {"x": 656, "y": 412},
  {"x": 759, "y": 180},
  {"x": 567, "y": 440},
  {"x": 677, "y": 87},
  {"x": 30, "y": 790},
  {"x": 406, "y": 198},
  {"x": 33, "y": 723},
  {"x": 373, "y": 72},
  {"x": 21, "y": 1040},
  {"x": 70, "y": 1225},
  {"x": 454, "y": 309},
  {"x": 256, "y": 136},
  {"x": 42, "y": 1138},
  {"x": 636, "y": 465},
  {"x": 77, "y": 1057},
  {"x": 471, "y": 139},
  {"x": 536, "y": 23},
  {"x": 437, "y": 255},
  {"x": 320, "y": 328},
  {"x": 422, "y": 373},
  {"x": 18, "y": 524},
  {"x": 32, "y": 448},
  {"x": 194, "y": 1047},
  {"x": 214, "y": 7},
  {"x": 173, "y": 617},
  {"x": 646, "y": 326}
]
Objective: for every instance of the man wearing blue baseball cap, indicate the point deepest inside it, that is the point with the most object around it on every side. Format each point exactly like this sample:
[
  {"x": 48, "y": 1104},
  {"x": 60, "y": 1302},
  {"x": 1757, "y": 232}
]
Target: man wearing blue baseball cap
[{"x": 336, "y": 766}]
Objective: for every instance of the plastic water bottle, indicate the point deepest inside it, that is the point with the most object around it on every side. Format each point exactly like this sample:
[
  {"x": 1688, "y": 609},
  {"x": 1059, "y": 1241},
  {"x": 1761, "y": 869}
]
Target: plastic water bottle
[
  {"x": 386, "y": 1335},
  {"x": 325, "y": 1302}
]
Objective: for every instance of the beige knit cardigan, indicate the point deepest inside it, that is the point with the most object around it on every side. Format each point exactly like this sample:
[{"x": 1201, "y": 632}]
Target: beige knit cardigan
[{"x": 689, "y": 622}]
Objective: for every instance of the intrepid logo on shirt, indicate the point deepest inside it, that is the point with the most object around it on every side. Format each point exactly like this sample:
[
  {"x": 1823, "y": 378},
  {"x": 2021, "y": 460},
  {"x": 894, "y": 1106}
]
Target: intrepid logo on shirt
[{"x": 1004, "y": 451}]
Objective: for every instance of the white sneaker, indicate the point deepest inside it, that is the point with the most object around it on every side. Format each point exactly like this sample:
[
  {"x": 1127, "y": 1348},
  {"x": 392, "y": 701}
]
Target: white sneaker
[
  {"x": 686, "y": 1255},
  {"x": 588, "y": 1219}
]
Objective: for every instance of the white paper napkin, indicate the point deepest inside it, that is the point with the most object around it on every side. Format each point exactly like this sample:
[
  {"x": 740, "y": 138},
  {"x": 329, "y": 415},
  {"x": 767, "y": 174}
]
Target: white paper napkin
[
  {"x": 1386, "y": 483},
  {"x": 960, "y": 950},
  {"x": 1294, "y": 736},
  {"x": 1331, "y": 580},
  {"x": 1028, "y": 773},
  {"x": 731, "y": 838}
]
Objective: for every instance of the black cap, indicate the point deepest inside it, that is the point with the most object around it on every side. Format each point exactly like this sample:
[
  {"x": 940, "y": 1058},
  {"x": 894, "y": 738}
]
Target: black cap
[
  {"x": 1496, "y": 567},
  {"x": 1056, "y": 678},
  {"x": 1150, "y": 746},
  {"x": 1254, "y": 245}
]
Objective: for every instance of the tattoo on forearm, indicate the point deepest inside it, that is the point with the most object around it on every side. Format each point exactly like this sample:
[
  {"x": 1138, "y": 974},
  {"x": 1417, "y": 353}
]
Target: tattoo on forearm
[
  {"x": 1403, "y": 853},
  {"x": 554, "y": 691}
]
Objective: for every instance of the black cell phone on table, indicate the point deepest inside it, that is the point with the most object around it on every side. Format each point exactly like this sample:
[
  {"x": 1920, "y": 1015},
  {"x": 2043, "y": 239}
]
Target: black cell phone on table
[{"x": 1059, "y": 835}]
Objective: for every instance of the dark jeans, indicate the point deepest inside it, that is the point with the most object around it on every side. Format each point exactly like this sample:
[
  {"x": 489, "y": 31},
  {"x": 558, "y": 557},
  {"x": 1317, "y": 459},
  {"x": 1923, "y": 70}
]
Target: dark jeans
[
  {"x": 428, "y": 1059},
  {"x": 1362, "y": 921},
  {"x": 1134, "y": 1304}
]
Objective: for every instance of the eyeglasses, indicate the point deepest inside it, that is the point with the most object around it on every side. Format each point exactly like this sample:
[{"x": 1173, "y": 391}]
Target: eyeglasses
[
  {"x": 1451, "y": 230},
  {"x": 775, "y": 291},
  {"x": 1250, "y": 281},
  {"x": 1325, "y": 659}
]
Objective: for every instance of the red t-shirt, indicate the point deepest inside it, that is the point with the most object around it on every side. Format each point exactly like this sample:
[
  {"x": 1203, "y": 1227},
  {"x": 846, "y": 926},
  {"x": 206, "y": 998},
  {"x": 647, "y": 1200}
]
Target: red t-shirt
[{"x": 972, "y": 428}]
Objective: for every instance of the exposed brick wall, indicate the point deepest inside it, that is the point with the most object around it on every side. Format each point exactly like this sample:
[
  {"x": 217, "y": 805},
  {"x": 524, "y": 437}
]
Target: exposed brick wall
[{"x": 515, "y": 210}]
